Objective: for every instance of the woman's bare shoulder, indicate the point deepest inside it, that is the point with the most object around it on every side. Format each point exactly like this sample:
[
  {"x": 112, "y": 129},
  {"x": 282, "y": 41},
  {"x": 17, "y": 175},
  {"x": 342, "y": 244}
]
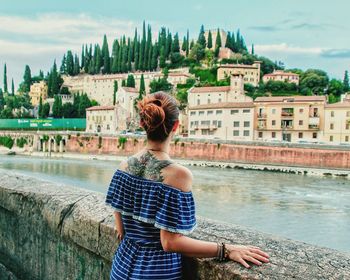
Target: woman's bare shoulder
[{"x": 178, "y": 176}]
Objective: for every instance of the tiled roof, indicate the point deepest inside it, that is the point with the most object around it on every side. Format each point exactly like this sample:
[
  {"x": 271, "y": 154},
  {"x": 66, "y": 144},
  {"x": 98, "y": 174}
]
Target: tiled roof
[
  {"x": 210, "y": 89},
  {"x": 223, "y": 105},
  {"x": 130, "y": 89},
  {"x": 295, "y": 98},
  {"x": 345, "y": 104},
  {"x": 100, "y": 108}
]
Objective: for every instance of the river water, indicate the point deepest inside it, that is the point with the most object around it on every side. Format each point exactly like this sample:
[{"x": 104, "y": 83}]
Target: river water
[{"x": 310, "y": 209}]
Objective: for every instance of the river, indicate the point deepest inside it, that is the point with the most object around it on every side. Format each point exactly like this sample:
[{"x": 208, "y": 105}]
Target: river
[{"x": 311, "y": 209}]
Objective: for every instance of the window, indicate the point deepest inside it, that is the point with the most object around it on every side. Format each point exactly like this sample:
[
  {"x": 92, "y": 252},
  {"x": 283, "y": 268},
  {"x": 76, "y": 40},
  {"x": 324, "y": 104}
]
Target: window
[
  {"x": 193, "y": 113},
  {"x": 273, "y": 111},
  {"x": 331, "y": 126},
  {"x": 219, "y": 100},
  {"x": 111, "y": 117},
  {"x": 107, "y": 126},
  {"x": 209, "y": 112},
  {"x": 332, "y": 113},
  {"x": 234, "y": 112},
  {"x": 301, "y": 110},
  {"x": 219, "y": 123},
  {"x": 236, "y": 133},
  {"x": 246, "y": 124},
  {"x": 273, "y": 134},
  {"x": 260, "y": 134},
  {"x": 218, "y": 112},
  {"x": 246, "y": 110},
  {"x": 235, "y": 124},
  {"x": 192, "y": 132},
  {"x": 331, "y": 138},
  {"x": 198, "y": 102},
  {"x": 246, "y": 133},
  {"x": 348, "y": 113},
  {"x": 204, "y": 131},
  {"x": 273, "y": 122},
  {"x": 346, "y": 138},
  {"x": 208, "y": 100},
  {"x": 301, "y": 122},
  {"x": 347, "y": 126},
  {"x": 201, "y": 113},
  {"x": 314, "y": 135},
  {"x": 300, "y": 135}
]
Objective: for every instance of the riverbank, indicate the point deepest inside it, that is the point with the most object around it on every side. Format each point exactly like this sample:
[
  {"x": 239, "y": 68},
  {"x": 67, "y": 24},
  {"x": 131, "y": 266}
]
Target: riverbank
[{"x": 218, "y": 164}]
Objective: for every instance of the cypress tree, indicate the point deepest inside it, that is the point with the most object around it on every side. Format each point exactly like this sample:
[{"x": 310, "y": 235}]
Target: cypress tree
[
  {"x": 175, "y": 47},
  {"x": 142, "y": 86},
  {"x": 168, "y": 44},
  {"x": 82, "y": 56},
  {"x": 40, "y": 109},
  {"x": 233, "y": 43},
  {"x": 54, "y": 80},
  {"x": 105, "y": 56},
  {"x": 130, "y": 82},
  {"x": 134, "y": 44},
  {"x": 13, "y": 87},
  {"x": 41, "y": 74},
  {"x": 124, "y": 67},
  {"x": 191, "y": 45},
  {"x": 253, "y": 52},
  {"x": 123, "y": 83},
  {"x": 201, "y": 37},
  {"x": 98, "y": 60},
  {"x": 147, "y": 48},
  {"x": 2, "y": 100},
  {"x": 115, "y": 90},
  {"x": 346, "y": 81},
  {"x": 162, "y": 58},
  {"x": 150, "y": 52},
  {"x": 63, "y": 65},
  {"x": 87, "y": 60},
  {"x": 129, "y": 55},
  {"x": 217, "y": 43},
  {"x": 5, "y": 79},
  {"x": 161, "y": 39},
  {"x": 137, "y": 55},
  {"x": 142, "y": 48},
  {"x": 154, "y": 62},
  {"x": 76, "y": 68},
  {"x": 70, "y": 63},
  {"x": 27, "y": 77},
  {"x": 115, "y": 51},
  {"x": 228, "y": 40},
  {"x": 210, "y": 40},
  {"x": 184, "y": 44},
  {"x": 187, "y": 43}
]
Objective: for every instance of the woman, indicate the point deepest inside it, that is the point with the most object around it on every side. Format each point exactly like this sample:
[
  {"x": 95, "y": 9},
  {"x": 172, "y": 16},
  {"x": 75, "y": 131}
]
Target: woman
[{"x": 154, "y": 207}]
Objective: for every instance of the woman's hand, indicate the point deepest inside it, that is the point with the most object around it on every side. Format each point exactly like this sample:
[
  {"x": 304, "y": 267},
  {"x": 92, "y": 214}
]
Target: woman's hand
[
  {"x": 241, "y": 254},
  {"x": 120, "y": 233}
]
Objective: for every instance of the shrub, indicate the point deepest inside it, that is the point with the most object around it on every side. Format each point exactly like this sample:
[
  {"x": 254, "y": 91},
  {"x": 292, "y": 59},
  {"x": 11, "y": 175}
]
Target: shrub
[
  {"x": 6, "y": 141},
  {"x": 122, "y": 141},
  {"x": 20, "y": 142}
]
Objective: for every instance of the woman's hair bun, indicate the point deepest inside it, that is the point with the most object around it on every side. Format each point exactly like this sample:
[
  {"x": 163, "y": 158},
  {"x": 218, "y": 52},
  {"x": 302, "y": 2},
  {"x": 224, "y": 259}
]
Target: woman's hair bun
[{"x": 151, "y": 112}]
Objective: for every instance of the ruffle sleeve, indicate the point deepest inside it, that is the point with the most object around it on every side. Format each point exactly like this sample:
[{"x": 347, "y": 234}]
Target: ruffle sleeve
[{"x": 152, "y": 202}]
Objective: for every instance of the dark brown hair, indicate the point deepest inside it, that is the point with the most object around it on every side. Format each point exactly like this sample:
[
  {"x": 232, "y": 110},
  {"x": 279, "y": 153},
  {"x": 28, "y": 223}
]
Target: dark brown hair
[{"x": 158, "y": 114}]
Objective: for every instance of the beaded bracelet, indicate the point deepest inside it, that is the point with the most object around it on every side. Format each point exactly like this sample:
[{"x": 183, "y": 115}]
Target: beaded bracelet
[{"x": 221, "y": 251}]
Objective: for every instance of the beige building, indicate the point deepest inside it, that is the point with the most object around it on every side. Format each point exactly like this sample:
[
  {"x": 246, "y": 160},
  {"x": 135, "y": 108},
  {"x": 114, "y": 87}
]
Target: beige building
[
  {"x": 337, "y": 122},
  {"x": 292, "y": 118},
  {"x": 127, "y": 116},
  {"x": 282, "y": 76},
  {"x": 221, "y": 112},
  {"x": 251, "y": 73},
  {"x": 101, "y": 119},
  {"x": 37, "y": 90}
]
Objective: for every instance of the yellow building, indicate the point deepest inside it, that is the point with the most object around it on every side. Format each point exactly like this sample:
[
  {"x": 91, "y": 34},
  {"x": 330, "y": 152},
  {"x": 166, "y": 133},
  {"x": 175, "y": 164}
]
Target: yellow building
[
  {"x": 221, "y": 112},
  {"x": 37, "y": 90},
  {"x": 337, "y": 122},
  {"x": 282, "y": 76},
  {"x": 101, "y": 119},
  {"x": 251, "y": 73},
  {"x": 292, "y": 118}
]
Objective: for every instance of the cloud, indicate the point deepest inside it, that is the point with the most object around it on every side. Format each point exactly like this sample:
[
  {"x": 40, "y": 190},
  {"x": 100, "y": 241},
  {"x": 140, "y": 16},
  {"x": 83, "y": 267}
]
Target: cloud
[
  {"x": 264, "y": 28},
  {"x": 287, "y": 49},
  {"x": 336, "y": 53}
]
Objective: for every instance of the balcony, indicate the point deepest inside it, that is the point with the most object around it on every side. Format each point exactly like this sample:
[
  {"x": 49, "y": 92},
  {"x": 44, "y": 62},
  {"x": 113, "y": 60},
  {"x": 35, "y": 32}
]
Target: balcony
[
  {"x": 314, "y": 123},
  {"x": 261, "y": 125},
  {"x": 262, "y": 115},
  {"x": 314, "y": 126},
  {"x": 287, "y": 114},
  {"x": 287, "y": 127}
]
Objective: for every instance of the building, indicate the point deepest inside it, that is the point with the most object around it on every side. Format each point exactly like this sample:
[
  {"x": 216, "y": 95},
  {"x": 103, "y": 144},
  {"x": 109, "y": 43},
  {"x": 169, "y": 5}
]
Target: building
[
  {"x": 221, "y": 112},
  {"x": 292, "y": 118},
  {"x": 101, "y": 119},
  {"x": 251, "y": 73},
  {"x": 37, "y": 90},
  {"x": 126, "y": 101},
  {"x": 337, "y": 122},
  {"x": 66, "y": 98},
  {"x": 282, "y": 76}
]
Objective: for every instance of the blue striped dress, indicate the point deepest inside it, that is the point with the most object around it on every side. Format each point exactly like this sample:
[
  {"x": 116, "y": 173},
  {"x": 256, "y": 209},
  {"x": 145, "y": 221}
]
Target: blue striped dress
[{"x": 146, "y": 207}]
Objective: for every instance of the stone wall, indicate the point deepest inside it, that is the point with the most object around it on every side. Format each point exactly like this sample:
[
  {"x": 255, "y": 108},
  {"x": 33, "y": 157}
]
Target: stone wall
[
  {"x": 244, "y": 152},
  {"x": 50, "y": 231}
]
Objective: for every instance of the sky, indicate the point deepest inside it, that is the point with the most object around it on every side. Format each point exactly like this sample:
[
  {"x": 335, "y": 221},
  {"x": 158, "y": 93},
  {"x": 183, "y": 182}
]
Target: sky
[{"x": 302, "y": 33}]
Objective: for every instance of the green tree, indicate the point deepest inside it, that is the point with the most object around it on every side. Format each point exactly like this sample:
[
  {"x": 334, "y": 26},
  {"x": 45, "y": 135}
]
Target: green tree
[
  {"x": 130, "y": 81},
  {"x": 105, "y": 55},
  {"x": 217, "y": 43},
  {"x": 187, "y": 43},
  {"x": 335, "y": 87},
  {"x": 142, "y": 85},
  {"x": 5, "y": 79},
  {"x": 115, "y": 51},
  {"x": 313, "y": 81},
  {"x": 346, "y": 81},
  {"x": 76, "y": 68},
  {"x": 115, "y": 90},
  {"x": 162, "y": 59},
  {"x": 82, "y": 56},
  {"x": 154, "y": 59},
  {"x": 98, "y": 59},
  {"x": 63, "y": 69},
  {"x": 123, "y": 83},
  {"x": 68, "y": 110},
  {"x": 160, "y": 85},
  {"x": 84, "y": 103},
  {"x": 27, "y": 79},
  {"x": 46, "y": 110},
  {"x": 12, "y": 87},
  {"x": 70, "y": 63},
  {"x": 40, "y": 108},
  {"x": 57, "y": 107},
  {"x": 201, "y": 38},
  {"x": 197, "y": 52},
  {"x": 210, "y": 40},
  {"x": 253, "y": 52},
  {"x": 2, "y": 100}
]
